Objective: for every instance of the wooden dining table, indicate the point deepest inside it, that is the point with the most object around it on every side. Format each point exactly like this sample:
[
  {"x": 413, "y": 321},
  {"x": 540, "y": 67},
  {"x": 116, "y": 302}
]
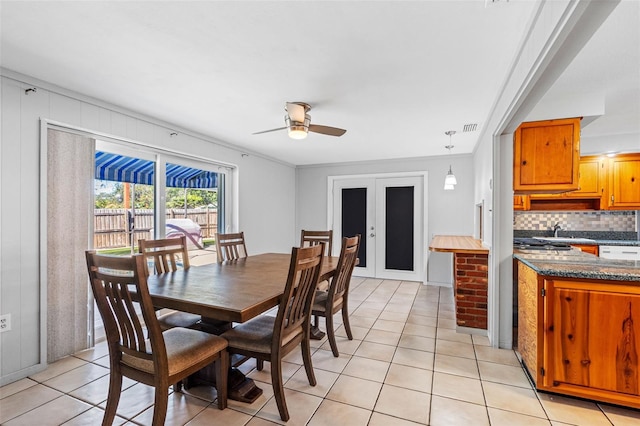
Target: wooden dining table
[{"x": 232, "y": 291}]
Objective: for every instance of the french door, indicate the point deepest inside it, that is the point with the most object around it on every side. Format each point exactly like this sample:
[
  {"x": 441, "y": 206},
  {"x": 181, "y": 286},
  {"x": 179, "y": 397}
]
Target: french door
[{"x": 388, "y": 212}]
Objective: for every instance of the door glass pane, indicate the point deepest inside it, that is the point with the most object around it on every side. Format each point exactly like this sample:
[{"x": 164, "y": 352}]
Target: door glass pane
[
  {"x": 124, "y": 203},
  {"x": 192, "y": 210},
  {"x": 354, "y": 218},
  {"x": 123, "y": 210},
  {"x": 399, "y": 232}
]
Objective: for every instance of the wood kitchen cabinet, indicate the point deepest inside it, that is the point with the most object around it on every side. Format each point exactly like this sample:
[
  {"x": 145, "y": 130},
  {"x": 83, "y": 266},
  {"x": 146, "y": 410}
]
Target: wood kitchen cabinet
[
  {"x": 592, "y": 178},
  {"x": 546, "y": 156},
  {"x": 624, "y": 182},
  {"x": 591, "y": 192},
  {"x": 578, "y": 337}
]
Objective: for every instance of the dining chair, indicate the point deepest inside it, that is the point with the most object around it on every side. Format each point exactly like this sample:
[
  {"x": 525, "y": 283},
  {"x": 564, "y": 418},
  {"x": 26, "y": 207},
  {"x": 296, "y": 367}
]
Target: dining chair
[
  {"x": 164, "y": 254},
  {"x": 311, "y": 238},
  {"x": 269, "y": 338},
  {"x": 230, "y": 246},
  {"x": 159, "y": 359},
  {"x": 327, "y": 303}
]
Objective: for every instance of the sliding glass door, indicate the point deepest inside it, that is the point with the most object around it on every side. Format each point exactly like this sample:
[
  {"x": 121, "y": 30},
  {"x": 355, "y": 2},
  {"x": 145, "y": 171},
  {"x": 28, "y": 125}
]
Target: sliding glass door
[{"x": 148, "y": 195}]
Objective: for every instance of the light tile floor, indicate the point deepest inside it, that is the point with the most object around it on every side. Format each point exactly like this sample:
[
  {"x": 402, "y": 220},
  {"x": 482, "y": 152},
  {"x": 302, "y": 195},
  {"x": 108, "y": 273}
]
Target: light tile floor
[{"x": 405, "y": 366}]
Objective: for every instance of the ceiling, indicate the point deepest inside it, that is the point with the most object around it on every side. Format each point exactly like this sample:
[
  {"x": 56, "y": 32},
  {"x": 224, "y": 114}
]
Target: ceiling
[{"x": 395, "y": 74}]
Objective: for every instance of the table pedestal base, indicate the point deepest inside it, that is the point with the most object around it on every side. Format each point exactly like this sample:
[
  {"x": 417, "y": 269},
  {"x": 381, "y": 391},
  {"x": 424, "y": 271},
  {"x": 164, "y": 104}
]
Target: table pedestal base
[{"x": 239, "y": 387}]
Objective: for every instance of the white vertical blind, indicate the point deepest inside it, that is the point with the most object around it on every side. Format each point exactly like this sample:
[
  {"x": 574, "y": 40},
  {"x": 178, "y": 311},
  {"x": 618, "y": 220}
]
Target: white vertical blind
[{"x": 69, "y": 194}]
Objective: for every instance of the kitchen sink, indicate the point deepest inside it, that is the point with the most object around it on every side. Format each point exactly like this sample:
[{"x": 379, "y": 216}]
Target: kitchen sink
[{"x": 568, "y": 240}]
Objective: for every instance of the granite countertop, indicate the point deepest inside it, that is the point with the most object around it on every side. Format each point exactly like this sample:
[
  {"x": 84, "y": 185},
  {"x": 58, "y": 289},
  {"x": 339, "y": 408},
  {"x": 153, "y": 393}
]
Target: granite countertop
[{"x": 577, "y": 264}]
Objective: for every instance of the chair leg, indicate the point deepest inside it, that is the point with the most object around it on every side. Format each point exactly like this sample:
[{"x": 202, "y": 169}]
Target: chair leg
[
  {"x": 115, "y": 388},
  {"x": 345, "y": 321},
  {"x": 160, "y": 405},
  {"x": 178, "y": 386},
  {"x": 306, "y": 358},
  {"x": 259, "y": 364},
  {"x": 278, "y": 388},
  {"x": 331, "y": 334},
  {"x": 222, "y": 373}
]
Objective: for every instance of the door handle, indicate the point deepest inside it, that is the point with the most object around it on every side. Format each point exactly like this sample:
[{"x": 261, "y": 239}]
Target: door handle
[{"x": 372, "y": 234}]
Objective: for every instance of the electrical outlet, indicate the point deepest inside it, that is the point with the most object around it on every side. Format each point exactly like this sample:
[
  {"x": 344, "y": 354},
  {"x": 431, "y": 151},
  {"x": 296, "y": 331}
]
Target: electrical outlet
[{"x": 5, "y": 322}]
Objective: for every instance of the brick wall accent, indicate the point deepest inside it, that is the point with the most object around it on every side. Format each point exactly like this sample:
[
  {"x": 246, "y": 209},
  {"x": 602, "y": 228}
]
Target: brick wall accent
[{"x": 470, "y": 289}]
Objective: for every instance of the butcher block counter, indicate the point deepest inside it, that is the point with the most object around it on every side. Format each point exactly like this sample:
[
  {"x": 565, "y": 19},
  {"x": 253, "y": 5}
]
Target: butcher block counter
[
  {"x": 457, "y": 244},
  {"x": 579, "y": 324},
  {"x": 470, "y": 272}
]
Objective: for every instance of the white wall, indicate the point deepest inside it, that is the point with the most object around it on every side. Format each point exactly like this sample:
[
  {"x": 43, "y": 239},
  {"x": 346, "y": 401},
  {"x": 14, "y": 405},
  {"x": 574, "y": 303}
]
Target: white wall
[
  {"x": 266, "y": 200},
  {"x": 449, "y": 212}
]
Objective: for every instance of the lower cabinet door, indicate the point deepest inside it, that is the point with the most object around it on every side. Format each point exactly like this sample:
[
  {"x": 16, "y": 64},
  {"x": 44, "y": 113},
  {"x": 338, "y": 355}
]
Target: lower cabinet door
[{"x": 592, "y": 338}]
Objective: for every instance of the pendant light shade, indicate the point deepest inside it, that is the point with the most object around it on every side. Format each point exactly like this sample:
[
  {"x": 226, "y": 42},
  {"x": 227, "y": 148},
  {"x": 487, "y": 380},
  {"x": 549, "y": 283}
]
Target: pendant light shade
[{"x": 450, "y": 180}]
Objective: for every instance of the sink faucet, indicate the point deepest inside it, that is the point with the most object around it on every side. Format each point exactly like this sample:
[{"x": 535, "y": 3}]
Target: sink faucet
[{"x": 556, "y": 228}]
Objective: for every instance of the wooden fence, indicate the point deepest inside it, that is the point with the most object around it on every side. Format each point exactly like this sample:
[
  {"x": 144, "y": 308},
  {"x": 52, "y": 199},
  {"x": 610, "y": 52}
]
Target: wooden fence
[{"x": 112, "y": 230}]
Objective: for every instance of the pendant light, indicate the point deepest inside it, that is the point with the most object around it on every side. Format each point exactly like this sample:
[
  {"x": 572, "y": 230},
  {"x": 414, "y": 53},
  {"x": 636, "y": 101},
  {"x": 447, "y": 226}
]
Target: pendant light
[{"x": 450, "y": 181}]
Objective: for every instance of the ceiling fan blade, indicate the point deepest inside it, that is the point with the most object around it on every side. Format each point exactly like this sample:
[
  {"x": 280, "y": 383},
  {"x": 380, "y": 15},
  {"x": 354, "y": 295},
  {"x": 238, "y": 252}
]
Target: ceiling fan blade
[
  {"x": 267, "y": 131},
  {"x": 296, "y": 112},
  {"x": 326, "y": 130}
]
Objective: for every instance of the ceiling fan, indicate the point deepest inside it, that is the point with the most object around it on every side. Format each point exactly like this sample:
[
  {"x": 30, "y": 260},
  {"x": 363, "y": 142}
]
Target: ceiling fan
[{"x": 298, "y": 122}]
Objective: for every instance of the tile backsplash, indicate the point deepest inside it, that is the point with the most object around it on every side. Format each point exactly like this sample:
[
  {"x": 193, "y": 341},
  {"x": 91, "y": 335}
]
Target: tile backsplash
[{"x": 616, "y": 221}]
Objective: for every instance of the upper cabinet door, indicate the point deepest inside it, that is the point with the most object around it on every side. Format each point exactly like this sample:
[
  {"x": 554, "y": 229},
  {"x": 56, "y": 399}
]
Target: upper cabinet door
[
  {"x": 592, "y": 177},
  {"x": 624, "y": 182},
  {"x": 546, "y": 156}
]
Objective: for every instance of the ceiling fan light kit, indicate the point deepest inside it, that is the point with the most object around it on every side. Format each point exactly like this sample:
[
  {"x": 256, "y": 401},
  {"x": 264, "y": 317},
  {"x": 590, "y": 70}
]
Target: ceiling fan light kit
[
  {"x": 298, "y": 123},
  {"x": 450, "y": 180},
  {"x": 297, "y": 129}
]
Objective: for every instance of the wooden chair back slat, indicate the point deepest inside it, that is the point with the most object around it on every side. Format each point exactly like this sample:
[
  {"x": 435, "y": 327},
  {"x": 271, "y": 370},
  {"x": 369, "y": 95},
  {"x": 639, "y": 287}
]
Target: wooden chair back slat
[
  {"x": 311, "y": 238},
  {"x": 166, "y": 253},
  {"x": 230, "y": 246}
]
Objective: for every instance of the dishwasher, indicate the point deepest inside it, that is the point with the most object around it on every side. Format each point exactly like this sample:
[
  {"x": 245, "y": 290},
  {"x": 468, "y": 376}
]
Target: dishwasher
[{"x": 620, "y": 252}]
